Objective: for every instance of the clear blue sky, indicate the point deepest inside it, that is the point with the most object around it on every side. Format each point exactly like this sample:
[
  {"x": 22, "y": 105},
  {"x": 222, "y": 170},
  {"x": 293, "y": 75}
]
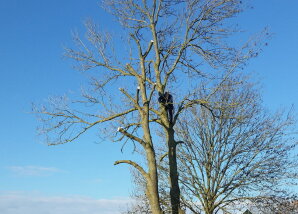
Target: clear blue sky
[{"x": 33, "y": 33}]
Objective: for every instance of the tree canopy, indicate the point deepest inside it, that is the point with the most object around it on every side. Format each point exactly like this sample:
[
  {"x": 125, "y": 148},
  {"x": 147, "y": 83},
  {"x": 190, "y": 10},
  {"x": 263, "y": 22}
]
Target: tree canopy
[{"x": 180, "y": 46}]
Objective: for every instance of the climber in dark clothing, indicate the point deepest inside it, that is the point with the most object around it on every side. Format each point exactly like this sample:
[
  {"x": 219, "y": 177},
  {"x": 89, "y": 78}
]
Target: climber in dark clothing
[
  {"x": 167, "y": 100},
  {"x": 161, "y": 98}
]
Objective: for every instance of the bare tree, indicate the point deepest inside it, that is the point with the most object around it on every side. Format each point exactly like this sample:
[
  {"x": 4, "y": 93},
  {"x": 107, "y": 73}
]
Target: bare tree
[
  {"x": 237, "y": 153},
  {"x": 169, "y": 42}
]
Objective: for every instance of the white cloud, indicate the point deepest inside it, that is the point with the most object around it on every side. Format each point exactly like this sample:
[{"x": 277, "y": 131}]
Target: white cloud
[
  {"x": 33, "y": 170},
  {"x": 20, "y": 203}
]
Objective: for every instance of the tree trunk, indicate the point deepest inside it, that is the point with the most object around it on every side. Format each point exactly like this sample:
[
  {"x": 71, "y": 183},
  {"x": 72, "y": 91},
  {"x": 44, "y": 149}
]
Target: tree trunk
[
  {"x": 152, "y": 179},
  {"x": 174, "y": 183},
  {"x": 209, "y": 208},
  {"x": 209, "y": 211},
  {"x": 152, "y": 183}
]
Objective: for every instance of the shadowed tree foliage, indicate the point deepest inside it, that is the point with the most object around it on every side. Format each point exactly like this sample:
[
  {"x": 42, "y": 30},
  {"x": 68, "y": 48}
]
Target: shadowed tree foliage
[
  {"x": 168, "y": 46},
  {"x": 277, "y": 205}
]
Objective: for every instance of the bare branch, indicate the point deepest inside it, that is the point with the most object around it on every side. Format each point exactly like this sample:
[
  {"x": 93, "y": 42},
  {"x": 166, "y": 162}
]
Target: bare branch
[
  {"x": 135, "y": 165},
  {"x": 132, "y": 137}
]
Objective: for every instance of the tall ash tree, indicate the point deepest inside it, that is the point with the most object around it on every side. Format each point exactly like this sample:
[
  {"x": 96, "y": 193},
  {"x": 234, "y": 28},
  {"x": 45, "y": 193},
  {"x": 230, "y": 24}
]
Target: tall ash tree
[{"x": 171, "y": 46}]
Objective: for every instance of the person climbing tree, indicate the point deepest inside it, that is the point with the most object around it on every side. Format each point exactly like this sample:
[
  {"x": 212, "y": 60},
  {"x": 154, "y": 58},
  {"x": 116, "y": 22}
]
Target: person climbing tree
[{"x": 166, "y": 99}]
